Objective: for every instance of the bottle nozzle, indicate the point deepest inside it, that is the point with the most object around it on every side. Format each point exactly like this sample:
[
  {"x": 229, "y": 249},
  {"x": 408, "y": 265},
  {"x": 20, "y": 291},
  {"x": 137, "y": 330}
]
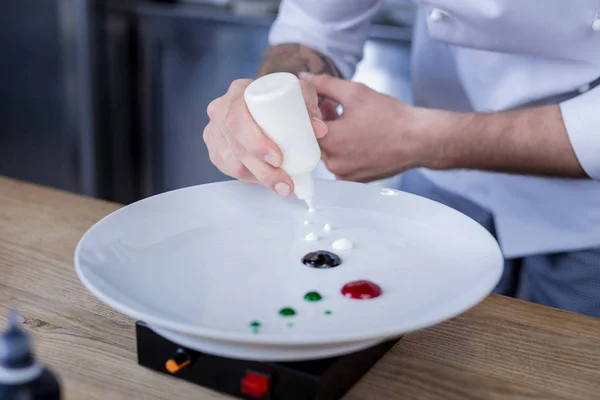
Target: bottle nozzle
[
  {"x": 14, "y": 322},
  {"x": 310, "y": 204},
  {"x": 304, "y": 186},
  {"x": 15, "y": 345}
]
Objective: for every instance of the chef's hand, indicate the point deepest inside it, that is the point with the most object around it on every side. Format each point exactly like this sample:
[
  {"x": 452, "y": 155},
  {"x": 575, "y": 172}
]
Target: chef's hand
[
  {"x": 238, "y": 147},
  {"x": 375, "y": 136}
]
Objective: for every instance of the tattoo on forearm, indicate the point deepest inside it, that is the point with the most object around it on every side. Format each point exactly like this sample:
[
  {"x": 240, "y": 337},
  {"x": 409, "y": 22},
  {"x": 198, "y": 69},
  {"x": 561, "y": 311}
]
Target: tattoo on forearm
[
  {"x": 328, "y": 66},
  {"x": 295, "y": 58}
]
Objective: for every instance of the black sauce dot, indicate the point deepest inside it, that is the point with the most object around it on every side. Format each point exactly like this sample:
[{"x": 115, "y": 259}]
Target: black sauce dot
[{"x": 321, "y": 259}]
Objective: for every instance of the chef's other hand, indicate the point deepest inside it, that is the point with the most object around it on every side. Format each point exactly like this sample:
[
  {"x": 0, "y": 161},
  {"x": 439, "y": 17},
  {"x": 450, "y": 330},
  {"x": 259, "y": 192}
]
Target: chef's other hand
[
  {"x": 374, "y": 138},
  {"x": 239, "y": 148}
]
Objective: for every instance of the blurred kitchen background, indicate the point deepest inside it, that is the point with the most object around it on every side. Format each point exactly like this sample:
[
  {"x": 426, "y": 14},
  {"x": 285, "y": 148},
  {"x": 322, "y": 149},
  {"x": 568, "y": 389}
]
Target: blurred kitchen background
[{"x": 108, "y": 98}]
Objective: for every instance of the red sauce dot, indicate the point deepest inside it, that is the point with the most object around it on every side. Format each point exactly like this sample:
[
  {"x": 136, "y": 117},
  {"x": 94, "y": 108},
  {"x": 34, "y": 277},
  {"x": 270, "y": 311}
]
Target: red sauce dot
[{"x": 361, "y": 290}]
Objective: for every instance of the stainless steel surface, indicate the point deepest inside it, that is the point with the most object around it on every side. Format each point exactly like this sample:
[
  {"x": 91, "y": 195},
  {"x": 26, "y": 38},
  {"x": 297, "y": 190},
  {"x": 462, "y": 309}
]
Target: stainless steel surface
[
  {"x": 188, "y": 60},
  {"x": 116, "y": 79},
  {"x": 76, "y": 24},
  {"x": 45, "y": 121}
]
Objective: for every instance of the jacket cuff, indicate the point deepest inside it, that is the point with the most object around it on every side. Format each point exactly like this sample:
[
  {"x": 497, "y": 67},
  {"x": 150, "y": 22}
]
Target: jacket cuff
[{"x": 581, "y": 116}]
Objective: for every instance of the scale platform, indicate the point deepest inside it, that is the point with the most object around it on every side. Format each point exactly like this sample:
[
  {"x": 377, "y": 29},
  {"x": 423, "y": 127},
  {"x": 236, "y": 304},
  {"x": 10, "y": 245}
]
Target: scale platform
[{"x": 323, "y": 379}]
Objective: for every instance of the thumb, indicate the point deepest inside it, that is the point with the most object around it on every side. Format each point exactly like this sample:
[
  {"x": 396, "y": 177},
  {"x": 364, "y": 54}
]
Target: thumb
[{"x": 336, "y": 89}]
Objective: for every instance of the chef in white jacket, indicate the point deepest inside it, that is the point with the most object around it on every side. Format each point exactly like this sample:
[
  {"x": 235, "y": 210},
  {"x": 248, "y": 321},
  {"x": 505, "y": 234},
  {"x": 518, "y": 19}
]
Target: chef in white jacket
[{"x": 505, "y": 124}]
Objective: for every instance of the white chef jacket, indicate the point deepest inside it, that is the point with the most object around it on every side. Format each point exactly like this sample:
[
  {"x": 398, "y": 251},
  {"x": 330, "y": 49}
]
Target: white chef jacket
[{"x": 487, "y": 56}]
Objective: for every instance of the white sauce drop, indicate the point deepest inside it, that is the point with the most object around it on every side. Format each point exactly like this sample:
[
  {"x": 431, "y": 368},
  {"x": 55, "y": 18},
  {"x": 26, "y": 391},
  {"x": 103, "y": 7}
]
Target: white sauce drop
[
  {"x": 342, "y": 244},
  {"x": 327, "y": 228},
  {"x": 311, "y": 209},
  {"x": 307, "y": 222},
  {"x": 311, "y": 237}
]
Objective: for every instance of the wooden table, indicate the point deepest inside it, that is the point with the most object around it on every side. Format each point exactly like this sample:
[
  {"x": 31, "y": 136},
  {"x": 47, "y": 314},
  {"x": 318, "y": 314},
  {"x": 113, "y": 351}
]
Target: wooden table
[{"x": 503, "y": 348}]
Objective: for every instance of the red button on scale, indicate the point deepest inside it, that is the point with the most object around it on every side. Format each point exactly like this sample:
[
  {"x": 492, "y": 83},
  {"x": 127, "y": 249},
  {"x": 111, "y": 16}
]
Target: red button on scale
[{"x": 255, "y": 385}]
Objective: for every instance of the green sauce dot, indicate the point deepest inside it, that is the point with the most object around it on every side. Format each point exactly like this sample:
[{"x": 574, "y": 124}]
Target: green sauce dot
[
  {"x": 287, "y": 312},
  {"x": 312, "y": 296},
  {"x": 328, "y": 312},
  {"x": 255, "y": 325},
  {"x": 290, "y": 324}
]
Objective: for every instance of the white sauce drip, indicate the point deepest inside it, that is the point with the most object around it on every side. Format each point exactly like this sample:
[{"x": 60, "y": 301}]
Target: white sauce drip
[
  {"x": 311, "y": 237},
  {"x": 342, "y": 244}
]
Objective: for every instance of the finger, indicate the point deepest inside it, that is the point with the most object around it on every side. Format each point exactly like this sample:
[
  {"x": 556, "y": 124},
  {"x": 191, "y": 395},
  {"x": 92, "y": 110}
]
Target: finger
[
  {"x": 232, "y": 168},
  {"x": 343, "y": 169},
  {"x": 312, "y": 105},
  {"x": 311, "y": 98},
  {"x": 213, "y": 108},
  {"x": 340, "y": 90},
  {"x": 334, "y": 140},
  {"x": 272, "y": 178},
  {"x": 334, "y": 164},
  {"x": 238, "y": 86},
  {"x": 216, "y": 107},
  {"x": 222, "y": 156},
  {"x": 240, "y": 127},
  {"x": 319, "y": 127},
  {"x": 235, "y": 168},
  {"x": 220, "y": 152},
  {"x": 231, "y": 164}
]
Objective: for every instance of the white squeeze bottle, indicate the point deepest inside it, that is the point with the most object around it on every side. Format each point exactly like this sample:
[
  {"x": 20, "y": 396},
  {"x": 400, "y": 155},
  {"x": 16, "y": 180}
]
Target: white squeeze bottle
[{"x": 276, "y": 103}]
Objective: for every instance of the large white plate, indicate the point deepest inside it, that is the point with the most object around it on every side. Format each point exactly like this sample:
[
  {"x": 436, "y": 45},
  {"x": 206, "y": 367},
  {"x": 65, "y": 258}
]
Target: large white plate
[{"x": 208, "y": 260}]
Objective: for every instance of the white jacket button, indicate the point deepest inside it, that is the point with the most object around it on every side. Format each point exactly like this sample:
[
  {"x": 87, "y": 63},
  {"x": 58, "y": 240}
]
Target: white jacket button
[{"x": 436, "y": 15}]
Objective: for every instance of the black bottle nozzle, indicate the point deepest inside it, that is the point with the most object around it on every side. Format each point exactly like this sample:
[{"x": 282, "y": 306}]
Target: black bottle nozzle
[{"x": 15, "y": 345}]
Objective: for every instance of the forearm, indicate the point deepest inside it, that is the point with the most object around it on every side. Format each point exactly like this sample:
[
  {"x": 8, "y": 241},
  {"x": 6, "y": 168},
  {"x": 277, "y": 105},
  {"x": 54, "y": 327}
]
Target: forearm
[
  {"x": 296, "y": 58},
  {"x": 531, "y": 141}
]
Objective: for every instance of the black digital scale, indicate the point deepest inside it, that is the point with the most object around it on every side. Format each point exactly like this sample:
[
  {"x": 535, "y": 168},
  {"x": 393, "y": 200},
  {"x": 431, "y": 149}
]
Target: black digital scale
[{"x": 323, "y": 379}]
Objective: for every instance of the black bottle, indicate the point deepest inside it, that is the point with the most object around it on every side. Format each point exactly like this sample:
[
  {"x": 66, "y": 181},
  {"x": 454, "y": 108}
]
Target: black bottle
[{"x": 21, "y": 376}]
